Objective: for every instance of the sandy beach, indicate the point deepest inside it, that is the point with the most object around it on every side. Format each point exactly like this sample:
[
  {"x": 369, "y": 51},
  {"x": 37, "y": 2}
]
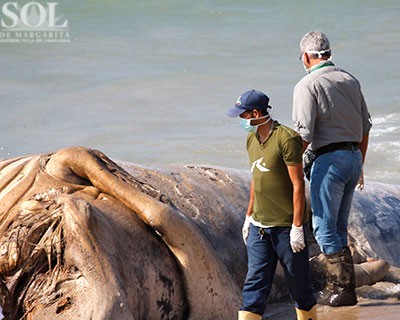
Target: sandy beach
[
  {"x": 379, "y": 301},
  {"x": 366, "y": 309}
]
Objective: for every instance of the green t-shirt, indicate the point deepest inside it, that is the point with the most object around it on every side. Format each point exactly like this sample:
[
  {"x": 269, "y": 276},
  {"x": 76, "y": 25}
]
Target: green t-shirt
[{"x": 273, "y": 189}]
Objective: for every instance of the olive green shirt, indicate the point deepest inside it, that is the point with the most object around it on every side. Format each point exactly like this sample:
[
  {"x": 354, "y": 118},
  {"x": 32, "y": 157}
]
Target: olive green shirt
[{"x": 273, "y": 189}]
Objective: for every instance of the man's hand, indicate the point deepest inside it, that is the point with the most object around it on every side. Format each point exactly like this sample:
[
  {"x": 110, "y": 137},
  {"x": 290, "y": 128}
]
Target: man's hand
[
  {"x": 246, "y": 229},
  {"x": 297, "y": 239},
  {"x": 360, "y": 184}
]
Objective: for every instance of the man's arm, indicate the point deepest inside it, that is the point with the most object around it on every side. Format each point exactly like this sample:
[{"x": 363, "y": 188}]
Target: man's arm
[
  {"x": 296, "y": 177},
  {"x": 305, "y": 145},
  {"x": 251, "y": 200},
  {"x": 246, "y": 224},
  {"x": 364, "y": 145}
]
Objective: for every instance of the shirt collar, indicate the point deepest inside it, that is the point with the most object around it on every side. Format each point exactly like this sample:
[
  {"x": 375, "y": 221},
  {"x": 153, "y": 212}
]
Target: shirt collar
[{"x": 322, "y": 64}]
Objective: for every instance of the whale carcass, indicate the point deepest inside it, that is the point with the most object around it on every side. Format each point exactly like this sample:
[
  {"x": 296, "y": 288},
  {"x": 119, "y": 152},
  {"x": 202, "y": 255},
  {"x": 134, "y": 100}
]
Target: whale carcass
[{"x": 82, "y": 237}]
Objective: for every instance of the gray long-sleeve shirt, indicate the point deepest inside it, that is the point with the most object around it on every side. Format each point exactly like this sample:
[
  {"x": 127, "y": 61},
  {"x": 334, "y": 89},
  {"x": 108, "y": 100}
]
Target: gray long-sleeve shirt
[{"x": 328, "y": 107}]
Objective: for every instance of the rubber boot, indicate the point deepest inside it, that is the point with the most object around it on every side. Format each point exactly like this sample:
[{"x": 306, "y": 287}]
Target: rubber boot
[
  {"x": 340, "y": 287},
  {"x": 307, "y": 315},
  {"x": 246, "y": 315}
]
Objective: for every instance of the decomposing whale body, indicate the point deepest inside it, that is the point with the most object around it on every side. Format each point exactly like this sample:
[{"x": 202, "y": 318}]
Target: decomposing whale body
[
  {"x": 82, "y": 237},
  {"x": 375, "y": 222}
]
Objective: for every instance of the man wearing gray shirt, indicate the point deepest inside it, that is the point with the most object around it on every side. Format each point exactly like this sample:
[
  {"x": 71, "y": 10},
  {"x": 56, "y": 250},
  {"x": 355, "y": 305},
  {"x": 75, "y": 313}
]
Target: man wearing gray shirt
[{"x": 331, "y": 116}]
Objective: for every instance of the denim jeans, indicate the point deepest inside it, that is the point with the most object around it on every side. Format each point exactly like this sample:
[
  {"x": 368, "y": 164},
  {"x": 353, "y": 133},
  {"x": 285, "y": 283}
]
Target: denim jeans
[
  {"x": 263, "y": 255},
  {"x": 334, "y": 176}
]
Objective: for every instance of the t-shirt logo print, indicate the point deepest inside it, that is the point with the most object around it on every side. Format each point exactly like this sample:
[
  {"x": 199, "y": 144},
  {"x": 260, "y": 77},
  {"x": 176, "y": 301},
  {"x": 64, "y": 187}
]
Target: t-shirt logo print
[{"x": 260, "y": 166}]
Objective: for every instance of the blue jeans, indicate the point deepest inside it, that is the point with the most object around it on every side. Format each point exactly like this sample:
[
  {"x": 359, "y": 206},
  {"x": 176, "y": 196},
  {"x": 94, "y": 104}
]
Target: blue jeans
[
  {"x": 263, "y": 255},
  {"x": 334, "y": 176}
]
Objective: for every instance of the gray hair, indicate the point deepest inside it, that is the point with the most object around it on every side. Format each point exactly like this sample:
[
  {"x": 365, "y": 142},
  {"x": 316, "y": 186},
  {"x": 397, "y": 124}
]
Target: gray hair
[{"x": 316, "y": 42}]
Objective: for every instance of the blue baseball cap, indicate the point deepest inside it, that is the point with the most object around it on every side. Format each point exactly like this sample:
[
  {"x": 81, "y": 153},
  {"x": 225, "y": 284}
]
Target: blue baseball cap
[{"x": 252, "y": 99}]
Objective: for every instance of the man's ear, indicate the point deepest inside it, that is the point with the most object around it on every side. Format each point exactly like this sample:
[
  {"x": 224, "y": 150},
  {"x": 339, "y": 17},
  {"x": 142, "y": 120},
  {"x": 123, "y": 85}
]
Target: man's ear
[
  {"x": 256, "y": 113},
  {"x": 306, "y": 59}
]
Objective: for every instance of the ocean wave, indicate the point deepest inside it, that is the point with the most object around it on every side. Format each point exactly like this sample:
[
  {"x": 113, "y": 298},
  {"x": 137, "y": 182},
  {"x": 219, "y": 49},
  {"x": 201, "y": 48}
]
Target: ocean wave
[
  {"x": 386, "y": 125},
  {"x": 377, "y": 132},
  {"x": 387, "y": 118}
]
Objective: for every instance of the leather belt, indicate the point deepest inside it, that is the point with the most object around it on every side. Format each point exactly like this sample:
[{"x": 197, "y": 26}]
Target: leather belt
[{"x": 351, "y": 146}]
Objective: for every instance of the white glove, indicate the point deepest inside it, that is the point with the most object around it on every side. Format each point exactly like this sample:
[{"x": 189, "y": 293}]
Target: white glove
[
  {"x": 360, "y": 183},
  {"x": 297, "y": 239},
  {"x": 246, "y": 229}
]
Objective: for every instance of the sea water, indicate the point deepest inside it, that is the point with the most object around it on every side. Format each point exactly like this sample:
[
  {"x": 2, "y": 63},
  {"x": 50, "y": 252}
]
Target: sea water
[{"x": 149, "y": 81}]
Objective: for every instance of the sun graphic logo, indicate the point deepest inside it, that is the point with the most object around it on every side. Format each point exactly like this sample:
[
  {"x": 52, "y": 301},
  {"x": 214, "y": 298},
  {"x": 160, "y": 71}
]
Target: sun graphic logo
[{"x": 33, "y": 22}]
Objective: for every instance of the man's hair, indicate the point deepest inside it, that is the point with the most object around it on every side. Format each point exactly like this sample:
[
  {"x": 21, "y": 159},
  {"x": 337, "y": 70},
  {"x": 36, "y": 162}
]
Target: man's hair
[
  {"x": 263, "y": 111},
  {"x": 315, "y": 41}
]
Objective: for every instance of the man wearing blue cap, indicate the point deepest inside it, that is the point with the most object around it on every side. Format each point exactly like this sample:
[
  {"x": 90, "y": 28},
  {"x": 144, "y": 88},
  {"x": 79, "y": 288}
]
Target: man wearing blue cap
[{"x": 273, "y": 227}]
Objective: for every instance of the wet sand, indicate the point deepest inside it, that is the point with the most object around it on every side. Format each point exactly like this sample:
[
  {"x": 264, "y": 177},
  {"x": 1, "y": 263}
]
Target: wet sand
[
  {"x": 379, "y": 301},
  {"x": 366, "y": 309}
]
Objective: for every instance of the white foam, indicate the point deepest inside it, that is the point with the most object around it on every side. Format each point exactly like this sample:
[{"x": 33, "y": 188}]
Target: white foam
[{"x": 385, "y": 124}]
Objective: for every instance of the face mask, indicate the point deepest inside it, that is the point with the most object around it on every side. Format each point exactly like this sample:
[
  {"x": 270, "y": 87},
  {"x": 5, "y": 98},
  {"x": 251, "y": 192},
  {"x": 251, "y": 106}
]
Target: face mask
[
  {"x": 305, "y": 68},
  {"x": 245, "y": 123},
  {"x": 302, "y": 62},
  {"x": 319, "y": 53}
]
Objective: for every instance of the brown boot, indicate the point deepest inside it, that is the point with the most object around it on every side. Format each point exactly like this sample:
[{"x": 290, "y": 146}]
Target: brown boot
[
  {"x": 246, "y": 315},
  {"x": 340, "y": 287}
]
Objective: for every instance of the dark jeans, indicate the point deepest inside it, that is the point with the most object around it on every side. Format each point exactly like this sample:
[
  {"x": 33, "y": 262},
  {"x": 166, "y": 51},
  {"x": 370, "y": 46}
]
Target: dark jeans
[{"x": 263, "y": 255}]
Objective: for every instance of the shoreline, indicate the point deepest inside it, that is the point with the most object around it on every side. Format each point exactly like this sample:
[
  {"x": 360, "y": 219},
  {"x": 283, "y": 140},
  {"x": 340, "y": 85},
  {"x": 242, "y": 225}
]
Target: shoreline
[{"x": 366, "y": 309}]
